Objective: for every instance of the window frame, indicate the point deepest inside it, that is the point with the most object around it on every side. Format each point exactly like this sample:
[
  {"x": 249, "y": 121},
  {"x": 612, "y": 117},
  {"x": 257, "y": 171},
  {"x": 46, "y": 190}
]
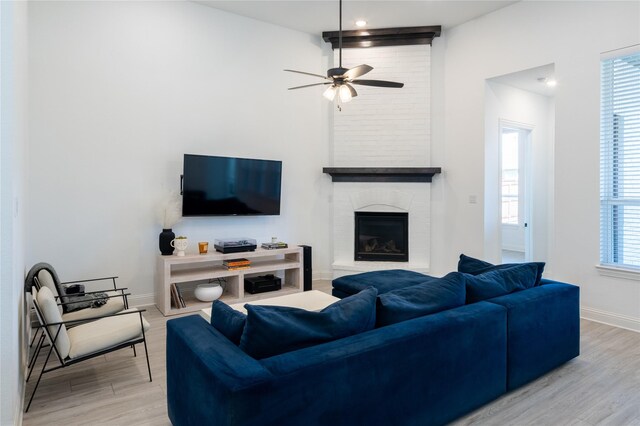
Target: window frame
[{"x": 612, "y": 170}]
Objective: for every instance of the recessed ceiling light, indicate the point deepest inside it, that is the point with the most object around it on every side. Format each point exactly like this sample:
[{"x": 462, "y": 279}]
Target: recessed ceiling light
[
  {"x": 361, "y": 23},
  {"x": 550, "y": 82}
]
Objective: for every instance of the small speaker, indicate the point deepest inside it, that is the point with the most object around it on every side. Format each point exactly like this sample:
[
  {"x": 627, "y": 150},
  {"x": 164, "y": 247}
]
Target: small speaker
[{"x": 306, "y": 269}]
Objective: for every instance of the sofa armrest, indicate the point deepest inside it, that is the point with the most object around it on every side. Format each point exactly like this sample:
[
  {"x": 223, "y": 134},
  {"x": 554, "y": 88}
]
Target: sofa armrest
[
  {"x": 543, "y": 329},
  {"x": 206, "y": 373}
]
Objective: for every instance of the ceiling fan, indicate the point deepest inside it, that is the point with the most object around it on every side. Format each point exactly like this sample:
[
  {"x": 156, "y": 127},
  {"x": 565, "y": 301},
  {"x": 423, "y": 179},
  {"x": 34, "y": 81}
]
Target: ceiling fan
[{"x": 341, "y": 79}]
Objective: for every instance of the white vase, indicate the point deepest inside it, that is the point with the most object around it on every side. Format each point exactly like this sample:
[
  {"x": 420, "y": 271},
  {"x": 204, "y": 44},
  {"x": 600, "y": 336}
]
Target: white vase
[
  {"x": 208, "y": 292},
  {"x": 180, "y": 244}
]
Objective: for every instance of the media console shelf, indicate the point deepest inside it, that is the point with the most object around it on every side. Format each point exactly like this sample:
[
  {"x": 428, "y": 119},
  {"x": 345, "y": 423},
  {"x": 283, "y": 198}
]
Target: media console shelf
[{"x": 193, "y": 269}]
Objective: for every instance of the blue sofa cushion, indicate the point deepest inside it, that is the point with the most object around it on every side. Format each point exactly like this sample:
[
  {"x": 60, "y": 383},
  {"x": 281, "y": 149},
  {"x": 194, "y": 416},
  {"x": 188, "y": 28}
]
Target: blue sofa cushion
[
  {"x": 421, "y": 299},
  {"x": 499, "y": 282},
  {"x": 227, "y": 321},
  {"x": 273, "y": 330},
  {"x": 470, "y": 265},
  {"x": 383, "y": 281}
]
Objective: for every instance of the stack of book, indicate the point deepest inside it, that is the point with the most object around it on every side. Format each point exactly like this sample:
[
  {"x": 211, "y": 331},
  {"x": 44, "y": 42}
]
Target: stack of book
[
  {"x": 176, "y": 297},
  {"x": 235, "y": 264}
]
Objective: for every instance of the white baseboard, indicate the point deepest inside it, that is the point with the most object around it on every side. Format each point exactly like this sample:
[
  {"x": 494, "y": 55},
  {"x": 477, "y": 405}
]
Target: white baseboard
[
  {"x": 609, "y": 318},
  {"x": 322, "y": 275},
  {"x": 142, "y": 299}
]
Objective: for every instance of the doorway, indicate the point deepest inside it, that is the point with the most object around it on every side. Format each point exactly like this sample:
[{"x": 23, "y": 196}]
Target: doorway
[
  {"x": 522, "y": 106},
  {"x": 515, "y": 140}
]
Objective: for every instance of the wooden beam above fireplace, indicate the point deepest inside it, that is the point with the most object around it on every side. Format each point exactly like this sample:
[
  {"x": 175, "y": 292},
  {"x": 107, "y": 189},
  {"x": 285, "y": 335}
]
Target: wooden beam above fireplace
[
  {"x": 400, "y": 36},
  {"x": 381, "y": 174}
]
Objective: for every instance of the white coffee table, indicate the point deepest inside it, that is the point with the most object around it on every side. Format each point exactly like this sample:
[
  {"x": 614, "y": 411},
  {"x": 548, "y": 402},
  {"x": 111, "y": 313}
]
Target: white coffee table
[{"x": 312, "y": 300}]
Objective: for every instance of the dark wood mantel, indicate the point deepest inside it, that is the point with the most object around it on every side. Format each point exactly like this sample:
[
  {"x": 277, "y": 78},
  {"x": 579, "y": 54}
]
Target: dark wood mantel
[
  {"x": 381, "y": 174},
  {"x": 400, "y": 36}
]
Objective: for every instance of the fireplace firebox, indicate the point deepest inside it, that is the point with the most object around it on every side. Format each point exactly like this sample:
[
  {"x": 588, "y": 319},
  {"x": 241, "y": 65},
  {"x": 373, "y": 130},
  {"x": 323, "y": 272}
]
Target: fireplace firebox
[{"x": 381, "y": 237}]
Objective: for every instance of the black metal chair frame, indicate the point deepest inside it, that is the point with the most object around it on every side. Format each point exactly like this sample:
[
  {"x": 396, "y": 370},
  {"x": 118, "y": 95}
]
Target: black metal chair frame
[
  {"x": 36, "y": 282},
  {"x": 68, "y": 362},
  {"x": 41, "y": 342},
  {"x": 39, "y": 266},
  {"x": 115, "y": 288}
]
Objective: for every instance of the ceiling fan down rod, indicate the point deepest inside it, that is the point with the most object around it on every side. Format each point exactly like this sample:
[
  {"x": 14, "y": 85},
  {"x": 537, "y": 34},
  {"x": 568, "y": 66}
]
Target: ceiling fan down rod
[{"x": 340, "y": 35}]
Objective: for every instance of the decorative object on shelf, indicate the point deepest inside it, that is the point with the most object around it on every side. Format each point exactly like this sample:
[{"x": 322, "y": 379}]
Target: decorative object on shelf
[
  {"x": 180, "y": 243},
  {"x": 169, "y": 214},
  {"x": 341, "y": 79},
  {"x": 203, "y": 247},
  {"x": 208, "y": 292},
  {"x": 166, "y": 236}
]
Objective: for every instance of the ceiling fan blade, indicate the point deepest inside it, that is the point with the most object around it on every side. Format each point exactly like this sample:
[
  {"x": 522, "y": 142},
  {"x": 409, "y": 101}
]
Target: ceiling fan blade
[
  {"x": 356, "y": 72},
  {"x": 352, "y": 90},
  {"x": 309, "y": 85},
  {"x": 377, "y": 83},
  {"x": 308, "y": 73}
]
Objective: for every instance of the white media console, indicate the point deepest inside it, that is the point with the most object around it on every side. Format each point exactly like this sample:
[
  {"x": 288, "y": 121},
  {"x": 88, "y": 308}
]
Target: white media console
[{"x": 193, "y": 269}]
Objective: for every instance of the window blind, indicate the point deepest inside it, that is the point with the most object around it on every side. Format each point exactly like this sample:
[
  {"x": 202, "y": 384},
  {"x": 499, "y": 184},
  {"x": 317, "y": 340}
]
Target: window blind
[{"x": 620, "y": 161}]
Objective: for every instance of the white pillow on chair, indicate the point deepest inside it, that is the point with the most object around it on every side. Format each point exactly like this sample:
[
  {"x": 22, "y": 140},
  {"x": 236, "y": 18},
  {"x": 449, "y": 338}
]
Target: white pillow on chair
[
  {"x": 46, "y": 280},
  {"x": 51, "y": 314}
]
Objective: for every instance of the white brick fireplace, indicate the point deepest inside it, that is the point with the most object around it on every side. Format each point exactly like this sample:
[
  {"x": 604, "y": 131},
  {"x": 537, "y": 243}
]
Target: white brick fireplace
[
  {"x": 349, "y": 197},
  {"x": 384, "y": 128}
]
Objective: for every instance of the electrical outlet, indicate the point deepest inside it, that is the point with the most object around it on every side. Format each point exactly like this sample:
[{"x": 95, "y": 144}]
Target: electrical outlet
[{"x": 473, "y": 199}]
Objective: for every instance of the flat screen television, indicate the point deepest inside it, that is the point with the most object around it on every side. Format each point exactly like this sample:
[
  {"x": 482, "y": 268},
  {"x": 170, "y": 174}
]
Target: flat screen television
[{"x": 224, "y": 186}]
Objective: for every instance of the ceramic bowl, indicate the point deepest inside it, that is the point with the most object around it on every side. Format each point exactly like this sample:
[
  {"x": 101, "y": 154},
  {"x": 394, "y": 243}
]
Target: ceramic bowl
[{"x": 208, "y": 292}]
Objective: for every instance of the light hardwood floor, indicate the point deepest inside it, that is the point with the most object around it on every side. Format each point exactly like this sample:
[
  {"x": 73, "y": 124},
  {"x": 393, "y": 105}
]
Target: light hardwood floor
[{"x": 600, "y": 387}]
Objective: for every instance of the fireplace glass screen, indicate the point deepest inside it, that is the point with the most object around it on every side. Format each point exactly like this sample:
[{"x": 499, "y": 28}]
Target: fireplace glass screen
[{"x": 381, "y": 237}]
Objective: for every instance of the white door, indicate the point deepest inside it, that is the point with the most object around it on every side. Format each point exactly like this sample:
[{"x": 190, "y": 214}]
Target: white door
[{"x": 514, "y": 194}]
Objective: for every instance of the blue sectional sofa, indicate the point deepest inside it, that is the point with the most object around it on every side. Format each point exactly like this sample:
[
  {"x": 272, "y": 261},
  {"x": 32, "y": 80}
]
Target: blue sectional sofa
[{"x": 428, "y": 370}]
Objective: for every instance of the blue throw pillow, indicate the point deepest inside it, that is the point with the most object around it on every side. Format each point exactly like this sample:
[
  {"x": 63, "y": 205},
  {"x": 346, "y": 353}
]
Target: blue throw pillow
[
  {"x": 472, "y": 266},
  {"x": 273, "y": 330},
  {"x": 500, "y": 282},
  {"x": 434, "y": 295},
  {"x": 227, "y": 321}
]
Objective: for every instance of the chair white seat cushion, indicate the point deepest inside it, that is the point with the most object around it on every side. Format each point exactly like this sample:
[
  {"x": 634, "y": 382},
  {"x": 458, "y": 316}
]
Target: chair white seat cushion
[
  {"x": 113, "y": 305},
  {"x": 104, "y": 333}
]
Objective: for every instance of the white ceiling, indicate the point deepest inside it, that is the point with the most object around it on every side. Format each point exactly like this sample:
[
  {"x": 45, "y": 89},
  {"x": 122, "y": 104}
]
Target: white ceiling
[
  {"x": 529, "y": 80},
  {"x": 316, "y": 16}
]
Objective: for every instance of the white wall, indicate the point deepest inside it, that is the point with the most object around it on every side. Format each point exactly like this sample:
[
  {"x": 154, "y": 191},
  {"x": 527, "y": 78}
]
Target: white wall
[
  {"x": 13, "y": 112},
  {"x": 120, "y": 91},
  {"x": 518, "y": 37},
  {"x": 508, "y": 103}
]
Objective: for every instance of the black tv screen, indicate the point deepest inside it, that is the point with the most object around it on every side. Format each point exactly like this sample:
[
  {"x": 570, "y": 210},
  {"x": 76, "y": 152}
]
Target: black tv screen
[{"x": 223, "y": 186}]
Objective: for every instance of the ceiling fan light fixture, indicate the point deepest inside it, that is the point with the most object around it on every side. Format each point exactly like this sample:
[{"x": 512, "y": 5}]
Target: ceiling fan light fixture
[
  {"x": 345, "y": 93},
  {"x": 330, "y": 93},
  {"x": 341, "y": 78}
]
